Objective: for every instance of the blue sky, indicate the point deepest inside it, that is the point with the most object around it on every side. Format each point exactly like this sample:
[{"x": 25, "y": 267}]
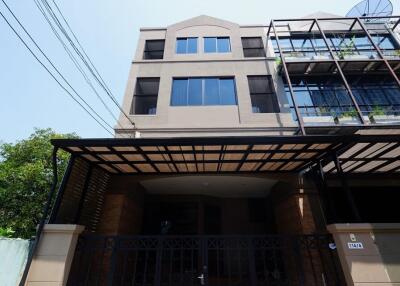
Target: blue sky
[{"x": 108, "y": 30}]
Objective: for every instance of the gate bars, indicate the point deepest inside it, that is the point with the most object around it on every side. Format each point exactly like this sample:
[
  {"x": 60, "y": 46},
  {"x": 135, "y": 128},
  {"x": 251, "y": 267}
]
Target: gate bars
[{"x": 205, "y": 260}]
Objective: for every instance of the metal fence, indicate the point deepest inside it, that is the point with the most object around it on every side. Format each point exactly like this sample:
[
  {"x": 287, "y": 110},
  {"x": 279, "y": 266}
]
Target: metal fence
[{"x": 205, "y": 260}]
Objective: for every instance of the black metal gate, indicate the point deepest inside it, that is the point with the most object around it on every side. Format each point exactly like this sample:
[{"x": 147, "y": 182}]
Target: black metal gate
[{"x": 205, "y": 260}]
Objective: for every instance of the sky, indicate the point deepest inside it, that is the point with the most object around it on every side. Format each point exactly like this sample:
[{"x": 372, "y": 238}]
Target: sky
[{"x": 108, "y": 30}]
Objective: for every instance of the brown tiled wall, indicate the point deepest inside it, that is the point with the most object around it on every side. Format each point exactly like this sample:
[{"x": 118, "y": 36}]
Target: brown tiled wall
[
  {"x": 297, "y": 207},
  {"x": 123, "y": 208}
]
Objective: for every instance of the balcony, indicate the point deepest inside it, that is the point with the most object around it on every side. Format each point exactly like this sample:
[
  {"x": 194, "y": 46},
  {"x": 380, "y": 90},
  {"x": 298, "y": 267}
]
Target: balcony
[
  {"x": 325, "y": 101},
  {"x": 339, "y": 71}
]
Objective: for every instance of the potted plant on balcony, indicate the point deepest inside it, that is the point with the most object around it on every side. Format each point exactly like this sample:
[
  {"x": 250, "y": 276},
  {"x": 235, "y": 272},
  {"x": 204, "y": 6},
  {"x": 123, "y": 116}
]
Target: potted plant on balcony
[
  {"x": 278, "y": 62},
  {"x": 377, "y": 113},
  {"x": 347, "y": 50},
  {"x": 347, "y": 117}
]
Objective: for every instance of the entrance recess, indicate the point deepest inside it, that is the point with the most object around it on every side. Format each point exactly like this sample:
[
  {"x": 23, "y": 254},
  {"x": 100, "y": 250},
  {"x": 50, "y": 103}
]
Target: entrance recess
[{"x": 205, "y": 260}]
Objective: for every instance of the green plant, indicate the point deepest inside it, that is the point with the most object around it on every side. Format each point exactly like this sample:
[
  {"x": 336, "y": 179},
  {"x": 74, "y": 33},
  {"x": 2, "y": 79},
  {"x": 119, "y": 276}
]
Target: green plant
[
  {"x": 377, "y": 110},
  {"x": 278, "y": 61},
  {"x": 346, "y": 49},
  {"x": 349, "y": 113},
  {"x": 323, "y": 110},
  {"x": 25, "y": 180},
  {"x": 6, "y": 232}
]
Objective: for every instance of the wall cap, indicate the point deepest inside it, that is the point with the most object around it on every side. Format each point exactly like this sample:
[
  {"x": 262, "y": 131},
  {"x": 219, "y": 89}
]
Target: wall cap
[
  {"x": 63, "y": 228},
  {"x": 363, "y": 227}
]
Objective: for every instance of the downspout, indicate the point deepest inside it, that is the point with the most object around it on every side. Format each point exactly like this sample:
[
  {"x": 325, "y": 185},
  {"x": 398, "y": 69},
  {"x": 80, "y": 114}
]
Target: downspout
[{"x": 43, "y": 219}]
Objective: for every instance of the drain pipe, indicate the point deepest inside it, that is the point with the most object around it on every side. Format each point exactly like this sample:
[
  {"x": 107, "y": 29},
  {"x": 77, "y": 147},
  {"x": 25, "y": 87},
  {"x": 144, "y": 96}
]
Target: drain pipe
[{"x": 46, "y": 211}]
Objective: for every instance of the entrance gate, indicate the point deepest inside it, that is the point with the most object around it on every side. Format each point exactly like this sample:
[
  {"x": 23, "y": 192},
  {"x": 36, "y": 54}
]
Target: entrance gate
[{"x": 205, "y": 260}]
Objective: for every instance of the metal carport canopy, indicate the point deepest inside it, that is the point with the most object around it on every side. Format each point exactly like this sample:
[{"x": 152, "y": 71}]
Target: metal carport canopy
[{"x": 357, "y": 153}]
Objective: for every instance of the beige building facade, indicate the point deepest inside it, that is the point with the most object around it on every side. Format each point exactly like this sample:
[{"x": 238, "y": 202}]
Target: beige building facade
[
  {"x": 244, "y": 155},
  {"x": 172, "y": 121}
]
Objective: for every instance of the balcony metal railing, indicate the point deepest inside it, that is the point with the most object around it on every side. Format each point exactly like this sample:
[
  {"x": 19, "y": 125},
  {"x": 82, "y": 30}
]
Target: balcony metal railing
[{"x": 336, "y": 46}]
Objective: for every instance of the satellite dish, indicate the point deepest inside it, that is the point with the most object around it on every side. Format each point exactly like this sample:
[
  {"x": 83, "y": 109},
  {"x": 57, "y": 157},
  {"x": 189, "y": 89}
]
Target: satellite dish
[{"x": 372, "y": 8}]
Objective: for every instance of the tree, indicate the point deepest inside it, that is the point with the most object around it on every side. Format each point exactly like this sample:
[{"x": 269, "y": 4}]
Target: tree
[{"x": 25, "y": 180}]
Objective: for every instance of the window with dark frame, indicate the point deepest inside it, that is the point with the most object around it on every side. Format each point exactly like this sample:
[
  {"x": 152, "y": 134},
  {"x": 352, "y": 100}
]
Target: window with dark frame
[
  {"x": 186, "y": 45},
  {"x": 253, "y": 47},
  {"x": 154, "y": 49},
  {"x": 217, "y": 45},
  {"x": 197, "y": 91},
  {"x": 145, "y": 97},
  {"x": 262, "y": 94}
]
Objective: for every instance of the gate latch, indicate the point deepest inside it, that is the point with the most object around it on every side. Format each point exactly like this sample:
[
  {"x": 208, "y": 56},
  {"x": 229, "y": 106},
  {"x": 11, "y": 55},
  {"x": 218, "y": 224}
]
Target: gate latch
[{"x": 201, "y": 277}]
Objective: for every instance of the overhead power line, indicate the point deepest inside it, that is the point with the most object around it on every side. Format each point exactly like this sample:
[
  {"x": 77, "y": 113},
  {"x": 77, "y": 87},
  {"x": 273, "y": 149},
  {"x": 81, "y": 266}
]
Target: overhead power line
[
  {"x": 81, "y": 52},
  {"x": 74, "y": 60},
  {"x": 52, "y": 75}
]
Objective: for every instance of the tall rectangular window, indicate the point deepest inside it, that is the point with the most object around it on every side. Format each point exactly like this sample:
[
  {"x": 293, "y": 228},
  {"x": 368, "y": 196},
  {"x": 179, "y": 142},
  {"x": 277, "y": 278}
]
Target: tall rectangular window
[
  {"x": 154, "y": 49},
  {"x": 217, "y": 45},
  {"x": 253, "y": 47},
  {"x": 145, "y": 97},
  {"x": 262, "y": 94},
  {"x": 203, "y": 91},
  {"x": 186, "y": 45}
]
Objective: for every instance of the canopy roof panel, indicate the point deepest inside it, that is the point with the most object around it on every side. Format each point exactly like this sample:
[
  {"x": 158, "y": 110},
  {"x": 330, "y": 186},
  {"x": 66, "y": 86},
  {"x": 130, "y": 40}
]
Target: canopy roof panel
[{"x": 357, "y": 154}]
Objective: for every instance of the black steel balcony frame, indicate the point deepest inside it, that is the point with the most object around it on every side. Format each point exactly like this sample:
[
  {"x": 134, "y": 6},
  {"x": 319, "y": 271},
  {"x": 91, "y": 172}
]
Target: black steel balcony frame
[{"x": 316, "y": 22}]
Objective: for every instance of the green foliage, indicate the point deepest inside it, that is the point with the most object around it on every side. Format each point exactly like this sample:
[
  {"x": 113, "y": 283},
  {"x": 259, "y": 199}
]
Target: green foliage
[
  {"x": 377, "y": 110},
  {"x": 350, "y": 113},
  {"x": 346, "y": 49},
  {"x": 6, "y": 232},
  {"x": 25, "y": 180}
]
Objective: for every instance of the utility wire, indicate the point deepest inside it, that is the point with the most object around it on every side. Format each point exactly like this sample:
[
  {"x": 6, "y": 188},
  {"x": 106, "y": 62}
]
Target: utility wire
[
  {"x": 74, "y": 60},
  {"x": 84, "y": 57},
  {"x": 52, "y": 75}
]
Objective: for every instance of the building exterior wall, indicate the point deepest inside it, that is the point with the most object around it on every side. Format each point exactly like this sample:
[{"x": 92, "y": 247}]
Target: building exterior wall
[{"x": 170, "y": 121}]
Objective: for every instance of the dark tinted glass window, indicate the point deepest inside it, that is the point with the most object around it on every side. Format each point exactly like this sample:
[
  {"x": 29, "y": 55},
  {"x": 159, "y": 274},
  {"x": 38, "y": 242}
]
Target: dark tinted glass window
[
  {"x": 253, "y": 47},
  {"x": 203, "y": 91},
  {"x": 263, "y": 97},
  {"x": 145, "y": 97},
  {"x": 154, "y": 49}
]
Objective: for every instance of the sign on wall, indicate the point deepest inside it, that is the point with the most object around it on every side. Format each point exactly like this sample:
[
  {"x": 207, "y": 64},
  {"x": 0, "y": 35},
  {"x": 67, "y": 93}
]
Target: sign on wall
[{"x": 355, "y": 245}]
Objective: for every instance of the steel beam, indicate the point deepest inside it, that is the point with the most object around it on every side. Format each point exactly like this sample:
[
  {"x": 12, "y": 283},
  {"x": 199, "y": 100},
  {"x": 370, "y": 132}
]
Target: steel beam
[
  {"x": 289, "y": 83},
  {"x": 353, "y": 99},
  {"x": 61, "y": 189},
  {"x": 345, "y": 186},
  {"x": 378, "y": 50}
]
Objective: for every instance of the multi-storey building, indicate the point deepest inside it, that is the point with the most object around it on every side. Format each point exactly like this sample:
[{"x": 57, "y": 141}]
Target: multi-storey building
[{"x": 245, "y": 155}]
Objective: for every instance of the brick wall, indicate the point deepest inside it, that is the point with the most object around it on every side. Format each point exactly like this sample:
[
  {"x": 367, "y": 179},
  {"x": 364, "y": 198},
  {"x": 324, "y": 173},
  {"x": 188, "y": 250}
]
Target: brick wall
[{"x": 123, "y": 207}]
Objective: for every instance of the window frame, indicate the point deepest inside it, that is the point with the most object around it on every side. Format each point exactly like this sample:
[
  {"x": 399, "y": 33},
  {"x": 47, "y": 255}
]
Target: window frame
[
  {"x": 203, "y": 79},
  {"x": 186, "y": 45},
  {"x": 137, "y": 96},
  {"x": 217, "y": 45},
  {"x": 270, "y": 96},
  {"x": 146, "y": 51},
  {"x": 260, "y": 48}
]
